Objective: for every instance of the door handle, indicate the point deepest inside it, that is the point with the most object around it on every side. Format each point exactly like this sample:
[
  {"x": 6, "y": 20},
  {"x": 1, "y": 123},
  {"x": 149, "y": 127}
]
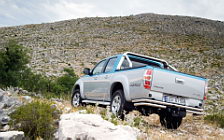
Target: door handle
[
  {"x": 106, "y": 77},
  {"x": 179, "y": 81}
]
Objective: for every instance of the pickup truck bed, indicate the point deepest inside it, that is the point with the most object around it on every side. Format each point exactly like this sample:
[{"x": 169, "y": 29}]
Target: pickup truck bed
[{"x": 179, "y": 84}]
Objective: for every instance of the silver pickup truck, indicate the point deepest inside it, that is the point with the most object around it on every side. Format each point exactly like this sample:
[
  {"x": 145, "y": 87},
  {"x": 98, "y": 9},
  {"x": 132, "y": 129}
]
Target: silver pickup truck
[{"x": 131, "y": 81}]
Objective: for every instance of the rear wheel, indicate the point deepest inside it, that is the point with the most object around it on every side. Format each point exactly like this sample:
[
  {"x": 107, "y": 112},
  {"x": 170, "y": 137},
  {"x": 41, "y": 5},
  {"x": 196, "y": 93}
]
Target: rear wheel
[
  {"x": 117, "y": 103},
  {"x": 169, "y": 121},
  {"x": 76, "y": 98}
]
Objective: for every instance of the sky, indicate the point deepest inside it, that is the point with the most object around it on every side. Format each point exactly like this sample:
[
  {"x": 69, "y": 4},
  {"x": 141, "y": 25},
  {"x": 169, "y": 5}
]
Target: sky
[{"x": 20, "y": 12}]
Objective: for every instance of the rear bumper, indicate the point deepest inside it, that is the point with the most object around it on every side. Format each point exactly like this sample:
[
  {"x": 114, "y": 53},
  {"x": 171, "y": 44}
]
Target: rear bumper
[{"x": 160, "y": 104}]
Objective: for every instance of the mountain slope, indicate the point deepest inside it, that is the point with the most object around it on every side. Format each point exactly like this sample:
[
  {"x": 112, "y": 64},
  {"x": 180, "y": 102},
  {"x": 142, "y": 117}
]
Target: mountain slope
[{"x": 192, "y": 45}]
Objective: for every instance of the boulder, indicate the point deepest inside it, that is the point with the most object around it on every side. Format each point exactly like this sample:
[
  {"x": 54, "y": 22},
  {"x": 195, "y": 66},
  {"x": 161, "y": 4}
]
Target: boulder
[
  {"x": 5, "y": 120},
  {"x": 92, "y": 127},
  {"x": 8, "y": 104},
  {"x": 27, "y": 99},
  {"x": 12, "y": 135}
]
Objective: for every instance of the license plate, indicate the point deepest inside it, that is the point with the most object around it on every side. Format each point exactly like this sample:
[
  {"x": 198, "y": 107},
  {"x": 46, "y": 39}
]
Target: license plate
[{"x": 174, "y": 99}]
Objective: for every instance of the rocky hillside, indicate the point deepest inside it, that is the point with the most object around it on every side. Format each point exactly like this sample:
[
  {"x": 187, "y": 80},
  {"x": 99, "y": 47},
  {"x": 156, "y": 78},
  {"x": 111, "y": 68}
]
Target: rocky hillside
[
  {"x": 88, "y": 123},
  {"x": 192, "y": 45}
]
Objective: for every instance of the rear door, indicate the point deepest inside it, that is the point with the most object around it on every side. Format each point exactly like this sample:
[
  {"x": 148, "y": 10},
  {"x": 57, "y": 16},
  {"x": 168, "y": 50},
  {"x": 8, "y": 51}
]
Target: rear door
[
  {"x": 107, "y": 76},
  {"x": 179, "y": 84},
  {"x": 94, "y": 85}
]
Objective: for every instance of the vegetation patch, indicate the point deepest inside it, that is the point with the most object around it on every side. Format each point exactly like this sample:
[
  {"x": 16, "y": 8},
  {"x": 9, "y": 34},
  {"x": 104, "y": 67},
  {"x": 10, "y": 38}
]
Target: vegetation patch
[
  {"x": 15, "y": 72},
  {"x": 216, "y": 118},
  {"x": 35, "y": 119}
]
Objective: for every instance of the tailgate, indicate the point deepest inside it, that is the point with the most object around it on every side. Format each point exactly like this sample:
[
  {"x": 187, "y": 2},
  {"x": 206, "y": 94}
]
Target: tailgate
[{"x": 179, "y": 84}]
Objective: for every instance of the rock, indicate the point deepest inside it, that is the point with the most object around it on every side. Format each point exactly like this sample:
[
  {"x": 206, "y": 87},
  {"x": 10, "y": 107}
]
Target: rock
[
  {"x": 22, "y": 91},
  {"x": 27, "y": 98},
  {"x": 82, "y": 111},
  {"x": 8, "y": 103},
  {"x": 1, "y": 94},
  {"x": 1, "y": 90},
  {"x": 54, "y": 106},
  {"x": 67, "y": 109},
  {"x": 56, "y": 100},
  {"x": 13, "y": 101},
  {"x": 2, "y": 105},
  {"x": 5, "y": 120},
  {"x": 214, "y": 97},
  {"x": 12, "y": 135},
  {"x": 5, "y": 128},
  {"x": 92, "y": 127},
  {"x": 4, "y": 99}
]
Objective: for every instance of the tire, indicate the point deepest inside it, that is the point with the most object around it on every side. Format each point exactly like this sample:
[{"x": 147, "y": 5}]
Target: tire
[
  {"x": 76, "y": 100},
  {"x": 169, "y": 121},
  {"x": 117, "y": 104}
]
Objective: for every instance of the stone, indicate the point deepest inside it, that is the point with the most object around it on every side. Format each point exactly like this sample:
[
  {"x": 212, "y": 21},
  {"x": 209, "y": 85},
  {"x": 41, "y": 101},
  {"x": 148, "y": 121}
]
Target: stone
[
  {"x": 56, "y": 100},
  {"x": 2, "y": 105},
  {"x": 54, "y": 106},
  {"x": 22, "y": 91},
  {"x": 92, "y": 127},
  {"x": 82, "y": 111},
  {"x": 67, "y": 109},
  {"x": 214, "y": 97},
  {"x": 4, "y": 99},
  {"x": 1, "y": 95},
  {"x": 5, "y": 128},
  {"x": 8, "y": 104},
  {"x": 12, "y": 135},
  {"x": 13, "y": 101},
  {"x": 5, "y": 120},
  {"x": 27, "y": 98}
]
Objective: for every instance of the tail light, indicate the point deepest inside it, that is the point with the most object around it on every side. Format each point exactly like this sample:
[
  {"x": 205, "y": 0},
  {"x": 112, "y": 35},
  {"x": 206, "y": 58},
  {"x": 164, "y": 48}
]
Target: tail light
[
  {"x": 206, "y": 90},
  {"x": 148, "y": 79}
]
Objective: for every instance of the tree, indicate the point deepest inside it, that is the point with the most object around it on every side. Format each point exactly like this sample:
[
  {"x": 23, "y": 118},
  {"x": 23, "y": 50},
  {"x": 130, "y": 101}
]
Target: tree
[
  {"x": 13, "y": 60},
  {"x": 14, "y": 72}
]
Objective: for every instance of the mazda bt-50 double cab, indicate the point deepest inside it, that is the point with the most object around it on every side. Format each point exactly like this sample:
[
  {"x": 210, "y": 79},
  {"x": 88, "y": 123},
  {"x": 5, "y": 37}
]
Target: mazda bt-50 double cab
[{"x": 131, "y": 81}]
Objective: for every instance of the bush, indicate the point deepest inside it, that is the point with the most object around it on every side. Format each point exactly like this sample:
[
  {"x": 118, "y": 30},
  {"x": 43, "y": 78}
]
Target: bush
[
  {"x": 64, "y": 83},
  {"x": 13, "y": 60},
  {"x": 14, "y": 72},
  {"x": 34, "y": 82},
  {"x": 42, "y": 84},
  {"x": 217, "y": 118},
  {"x": 35, "y": 119}
]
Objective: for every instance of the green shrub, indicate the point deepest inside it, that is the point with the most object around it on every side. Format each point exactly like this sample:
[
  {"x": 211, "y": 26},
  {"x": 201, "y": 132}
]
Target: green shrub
[
  {"x": 137, "y": 121},
  {"x": 34, "y": 82},
  {"x": 35, "y": 119},
  {"x": 42, "y": 84},
  {"x": 113, "y": 119},
  {"x": 217, "y": 118},
  {"x": 64, "y": 83},
  {"x": 103, "y": 113},
  {"x": 90, "y": 109},
  {"x": 13, "y": 60},
  {"x": 14, "y": 72}
]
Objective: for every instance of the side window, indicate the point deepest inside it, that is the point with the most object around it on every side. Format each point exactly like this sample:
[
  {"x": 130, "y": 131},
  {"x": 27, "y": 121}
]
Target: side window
[
  {"x": 125, "y": 64},
  {"x": 99, "y": 67},
  {"x": 110, "y": 64}
]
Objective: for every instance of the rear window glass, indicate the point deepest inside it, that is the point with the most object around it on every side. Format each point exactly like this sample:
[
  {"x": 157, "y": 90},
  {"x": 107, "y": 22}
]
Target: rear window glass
[{"x": 139, "y": 62}]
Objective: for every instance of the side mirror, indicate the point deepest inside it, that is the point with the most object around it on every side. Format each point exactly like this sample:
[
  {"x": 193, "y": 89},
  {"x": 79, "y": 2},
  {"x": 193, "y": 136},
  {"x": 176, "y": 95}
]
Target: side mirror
[{"x": 86, "y": 71}]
